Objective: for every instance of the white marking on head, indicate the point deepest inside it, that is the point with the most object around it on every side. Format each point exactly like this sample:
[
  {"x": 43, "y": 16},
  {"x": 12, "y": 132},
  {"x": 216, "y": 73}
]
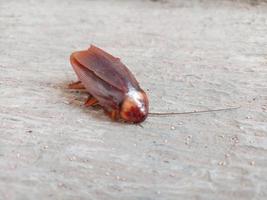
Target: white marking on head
[{"x": 136, "y": 97}]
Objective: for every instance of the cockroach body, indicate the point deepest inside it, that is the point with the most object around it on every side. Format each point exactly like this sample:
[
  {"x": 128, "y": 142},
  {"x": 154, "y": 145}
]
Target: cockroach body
[{"x": 110, "y": 84}]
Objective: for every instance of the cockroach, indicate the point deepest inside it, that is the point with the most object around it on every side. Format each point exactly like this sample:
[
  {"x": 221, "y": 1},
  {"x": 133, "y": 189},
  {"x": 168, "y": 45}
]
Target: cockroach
[{"x": 111, "y": 85}]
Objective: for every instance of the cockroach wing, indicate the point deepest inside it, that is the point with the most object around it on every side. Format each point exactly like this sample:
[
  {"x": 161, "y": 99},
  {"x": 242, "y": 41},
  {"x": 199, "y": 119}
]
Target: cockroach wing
[
  {"x": 107, "y": 68},
  {"x": 107, "y": 95}
]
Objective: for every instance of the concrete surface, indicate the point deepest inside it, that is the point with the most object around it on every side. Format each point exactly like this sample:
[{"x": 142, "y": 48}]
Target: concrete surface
[{"x": 190, "y": 55}]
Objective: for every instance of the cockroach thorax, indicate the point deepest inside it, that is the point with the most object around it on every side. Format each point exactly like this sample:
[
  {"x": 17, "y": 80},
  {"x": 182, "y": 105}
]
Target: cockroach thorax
[{"x": 134, "y": 108}]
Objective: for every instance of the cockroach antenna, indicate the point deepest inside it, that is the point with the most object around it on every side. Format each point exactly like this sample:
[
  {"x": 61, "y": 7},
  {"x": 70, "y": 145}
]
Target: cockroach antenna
[{"x": 192, "y": 112}]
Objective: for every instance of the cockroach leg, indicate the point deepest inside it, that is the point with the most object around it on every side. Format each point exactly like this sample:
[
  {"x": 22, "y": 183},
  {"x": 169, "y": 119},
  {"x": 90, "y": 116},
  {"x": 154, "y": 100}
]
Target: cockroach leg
[
  {"x": 76, "y": 85},
  {"x": 114, "y": 114},
  {"x": 140, "y": 125},
  {"x": 91, "y": 101}
]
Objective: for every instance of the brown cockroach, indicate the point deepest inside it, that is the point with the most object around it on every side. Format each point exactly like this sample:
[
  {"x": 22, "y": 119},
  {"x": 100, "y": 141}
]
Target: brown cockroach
[{"x": 112, "y": 86}]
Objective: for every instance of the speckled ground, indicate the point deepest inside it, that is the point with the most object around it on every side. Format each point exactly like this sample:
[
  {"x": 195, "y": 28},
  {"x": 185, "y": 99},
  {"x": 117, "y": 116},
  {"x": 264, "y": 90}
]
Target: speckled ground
[{"x": 189, "y": 55}]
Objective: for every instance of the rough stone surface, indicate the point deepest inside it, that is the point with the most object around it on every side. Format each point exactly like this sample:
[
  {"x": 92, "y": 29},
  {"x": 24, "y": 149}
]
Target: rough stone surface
[{"x": 189, "y": 55}]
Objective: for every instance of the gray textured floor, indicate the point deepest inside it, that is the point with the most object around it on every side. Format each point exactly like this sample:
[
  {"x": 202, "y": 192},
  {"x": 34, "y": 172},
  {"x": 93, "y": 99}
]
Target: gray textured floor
[{"x": 189, "y": 55}]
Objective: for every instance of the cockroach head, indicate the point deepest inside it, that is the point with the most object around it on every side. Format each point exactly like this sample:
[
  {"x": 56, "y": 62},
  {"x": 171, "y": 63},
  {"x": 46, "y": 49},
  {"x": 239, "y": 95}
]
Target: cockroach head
[{"x": 134, "y": 108}]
